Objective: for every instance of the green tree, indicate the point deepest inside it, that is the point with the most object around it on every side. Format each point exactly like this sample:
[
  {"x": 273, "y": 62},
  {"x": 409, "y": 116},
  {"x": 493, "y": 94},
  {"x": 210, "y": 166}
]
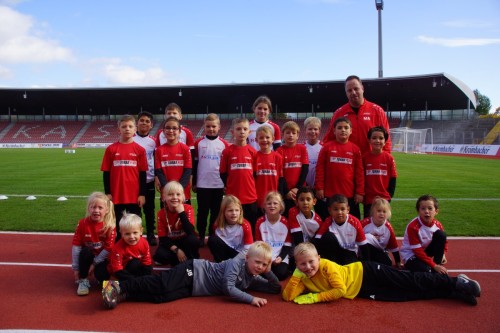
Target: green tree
[{"x": 483, "y": 103}]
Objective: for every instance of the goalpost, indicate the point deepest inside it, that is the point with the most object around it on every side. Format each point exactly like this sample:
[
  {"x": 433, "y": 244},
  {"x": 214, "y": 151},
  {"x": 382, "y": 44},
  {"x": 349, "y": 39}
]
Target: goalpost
[{"x": 411, "y": 140}]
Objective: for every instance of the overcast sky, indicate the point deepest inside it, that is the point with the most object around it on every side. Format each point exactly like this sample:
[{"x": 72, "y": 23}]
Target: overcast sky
[{"x": 109, "y": 43}]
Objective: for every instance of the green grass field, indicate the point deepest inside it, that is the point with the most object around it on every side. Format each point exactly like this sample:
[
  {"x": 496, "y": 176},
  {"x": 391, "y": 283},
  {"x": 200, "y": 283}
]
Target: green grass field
[{"x": 468, "y": 190}]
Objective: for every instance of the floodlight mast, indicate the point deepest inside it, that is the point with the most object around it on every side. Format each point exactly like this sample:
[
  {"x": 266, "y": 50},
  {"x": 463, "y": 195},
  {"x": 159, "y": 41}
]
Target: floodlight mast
[{"x": 379, "y": 4}]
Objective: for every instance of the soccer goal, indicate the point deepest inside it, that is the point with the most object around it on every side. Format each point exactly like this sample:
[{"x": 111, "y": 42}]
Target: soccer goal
[{"x": 411, "y": 140}]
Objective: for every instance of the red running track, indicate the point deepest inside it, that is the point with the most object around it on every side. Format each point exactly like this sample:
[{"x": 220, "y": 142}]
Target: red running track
[{"x": 38, "y": 293}]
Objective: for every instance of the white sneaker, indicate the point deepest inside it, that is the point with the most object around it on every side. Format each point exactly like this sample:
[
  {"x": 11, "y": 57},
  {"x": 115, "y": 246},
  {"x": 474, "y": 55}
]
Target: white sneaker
[{"x": 83, "y": 287}]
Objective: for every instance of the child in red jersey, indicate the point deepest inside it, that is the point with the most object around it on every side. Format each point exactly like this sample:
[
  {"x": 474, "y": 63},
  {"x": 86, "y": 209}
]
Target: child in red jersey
[
  {"x": 268, "y": 167},
  {"x": 173, "y": 159},
  {"x": 130, "y": 256},
  {"x": 93, "y": 239},
  {"x": 424, "y": 244},
  {"x": 295, "y": 162},
  {"x": 149, "y": 143},
  {"x": 272, "y": 228},
  {"x": 320, "y": 280},
  {"x": 380, "y": 234},
  {"x": 124, "y": 168},
  {"x": 379, "y": 168},
  {"x": 341, "y": 235},
  {"x": 262, "y": 108},
  {"x": 207, "y": 183},
  {"x": 303, "y": 220},
  {"x": 178, "y": 239},
  {"x": 340, "y": 168},
  {"x": 233, "y": 234},
  {"x": 236, "y": 170}
]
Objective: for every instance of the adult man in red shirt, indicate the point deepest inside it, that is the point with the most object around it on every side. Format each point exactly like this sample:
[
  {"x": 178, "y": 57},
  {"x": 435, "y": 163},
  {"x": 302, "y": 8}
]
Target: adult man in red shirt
[{"x": 362, "y": 114}]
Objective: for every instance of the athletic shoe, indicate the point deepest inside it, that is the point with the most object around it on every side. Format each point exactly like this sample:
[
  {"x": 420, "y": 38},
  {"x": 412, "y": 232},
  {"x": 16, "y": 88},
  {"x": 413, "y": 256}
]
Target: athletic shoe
[
  {"x": 110, "y": 293},
  {"x": 152, "y": 240},
  {"x": 468, "y": 286},
  {"x": 83, "y": 287}
]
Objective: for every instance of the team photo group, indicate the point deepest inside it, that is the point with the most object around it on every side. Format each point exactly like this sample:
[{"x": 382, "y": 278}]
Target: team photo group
[{"x": 307, "y": 220}]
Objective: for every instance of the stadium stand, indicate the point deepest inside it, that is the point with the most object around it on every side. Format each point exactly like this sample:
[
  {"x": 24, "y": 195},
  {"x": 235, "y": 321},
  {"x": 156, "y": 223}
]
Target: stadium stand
[
  {"x": 42, "y": 132},
  {"x": 100, "y": 132}
]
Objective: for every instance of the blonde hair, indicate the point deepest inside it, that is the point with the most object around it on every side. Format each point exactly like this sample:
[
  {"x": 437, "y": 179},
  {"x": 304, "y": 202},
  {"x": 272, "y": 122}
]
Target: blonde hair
[
  {"x": 125, "y": 118},
  {"x": 260, "y": 249},
  {"x": 173, "y": 186},
  {"x": 228, "y": 200},
  {"x": 290, "y": 125},
  {"x": 109, "y": 219},
  {"x": 305, "y": 248},
  {"x": 276, "y": 195},
  {"x": 130, "y": 220},
  {"x": 212, "y": 117},
  {"x": 265, "y": 129},
  {"x": 381, "y": 203},
  {"x": 312, "y": 121},
  {"x": 265, "y": 100},
  {"x": 237, "y": 121}
]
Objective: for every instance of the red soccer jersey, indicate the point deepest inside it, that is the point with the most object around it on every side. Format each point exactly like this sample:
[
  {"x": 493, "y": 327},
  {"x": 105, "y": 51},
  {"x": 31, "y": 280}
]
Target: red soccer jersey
[
  {"x": 368, "y": 116},
  {"x": 236, "y": 236},
  {"x": 350, "y": 234},
  {"x": 340, "y": 170},
  {"x": 276, "y": 234},
  {"x": 379, "y": 169},
  {"x": 383, "y": 237},
  {"x": 268, "y": 169},
  {"x": 185, "y": 136},
  {"x": 124, "y": 162},
  {"x": 237, "y": 163},
  {"x": 416, "y": 239},
  {"x": 89, "y": 234},
  {"x": 293, "y": 160},
  {"x": 298, "y": 222},
  {"x": 169, "y": 224},
  {"x": 172, "y": 160},
  {"x": 122, "y": 254}
]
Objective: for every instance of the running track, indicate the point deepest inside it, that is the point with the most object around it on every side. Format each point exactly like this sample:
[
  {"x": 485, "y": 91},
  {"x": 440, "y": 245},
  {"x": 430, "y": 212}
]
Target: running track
[{"x": 38, "y": 293}]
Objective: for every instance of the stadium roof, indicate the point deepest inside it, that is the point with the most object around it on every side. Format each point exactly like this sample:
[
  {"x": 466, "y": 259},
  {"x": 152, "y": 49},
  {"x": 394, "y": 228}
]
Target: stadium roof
[{"x": 411, "y": 93}]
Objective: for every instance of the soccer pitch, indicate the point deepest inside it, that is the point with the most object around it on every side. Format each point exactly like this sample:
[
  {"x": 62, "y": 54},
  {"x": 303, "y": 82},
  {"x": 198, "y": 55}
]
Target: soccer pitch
[{"x": 468, "y": 190}]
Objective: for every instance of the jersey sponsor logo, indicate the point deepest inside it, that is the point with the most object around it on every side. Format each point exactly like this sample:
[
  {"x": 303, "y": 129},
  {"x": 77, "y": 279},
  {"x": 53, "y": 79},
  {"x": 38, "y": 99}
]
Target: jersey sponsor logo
[
  {"x": 291, "y": 165},
  {"x": 241, "y": 166},
  {"x": 172, "y": 163},
  {"x": 125, "y": 163},
  {"x": 276, "y": 243},
  {"x": 367, "y": 118},
  {"x": 210, "y": 157},
  {"x": 340, "y": 160},
  {"x": 267, "y": 172},
  {"x": 376, "y": 172}
]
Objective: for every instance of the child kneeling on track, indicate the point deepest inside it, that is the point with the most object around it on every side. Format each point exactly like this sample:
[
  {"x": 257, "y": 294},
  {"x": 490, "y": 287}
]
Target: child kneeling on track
[
  {"x": 93, "y": 239},
  {"x": 130, "y": 256},
  {"x": 199, "y": 277},
  {"x": 320, "y": 280}
]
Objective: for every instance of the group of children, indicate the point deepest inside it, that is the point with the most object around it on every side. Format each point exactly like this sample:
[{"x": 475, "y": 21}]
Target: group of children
[{"x": 273, "y": 211}]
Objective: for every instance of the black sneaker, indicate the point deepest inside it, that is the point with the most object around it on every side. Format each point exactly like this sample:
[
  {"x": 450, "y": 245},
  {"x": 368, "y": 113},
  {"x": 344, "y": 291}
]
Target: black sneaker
[
  {"x": 468, "y": 286},
  {"x": 152, "y": 240}
]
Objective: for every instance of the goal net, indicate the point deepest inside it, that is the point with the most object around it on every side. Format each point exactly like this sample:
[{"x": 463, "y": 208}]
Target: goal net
[{"x": 411, "y": 140}]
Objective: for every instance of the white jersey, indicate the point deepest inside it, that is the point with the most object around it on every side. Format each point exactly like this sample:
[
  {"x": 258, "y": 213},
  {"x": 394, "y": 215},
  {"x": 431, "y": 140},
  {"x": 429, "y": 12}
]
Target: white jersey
[
  {"x": 208, "y": 153},
  {"x": 312, "y": 153},
  {"x": 149, "y": 144},
  {"x": 254, "y": 125}
]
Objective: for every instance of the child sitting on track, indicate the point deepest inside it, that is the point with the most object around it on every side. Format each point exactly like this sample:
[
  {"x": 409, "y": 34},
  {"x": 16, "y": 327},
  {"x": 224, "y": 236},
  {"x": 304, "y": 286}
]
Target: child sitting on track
[
  {"x": 130, "y": 256},
  {"x": 200, "y": 277},
  {"x": 320, "y": 280},
  {"x": 93, "y": 239}
]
